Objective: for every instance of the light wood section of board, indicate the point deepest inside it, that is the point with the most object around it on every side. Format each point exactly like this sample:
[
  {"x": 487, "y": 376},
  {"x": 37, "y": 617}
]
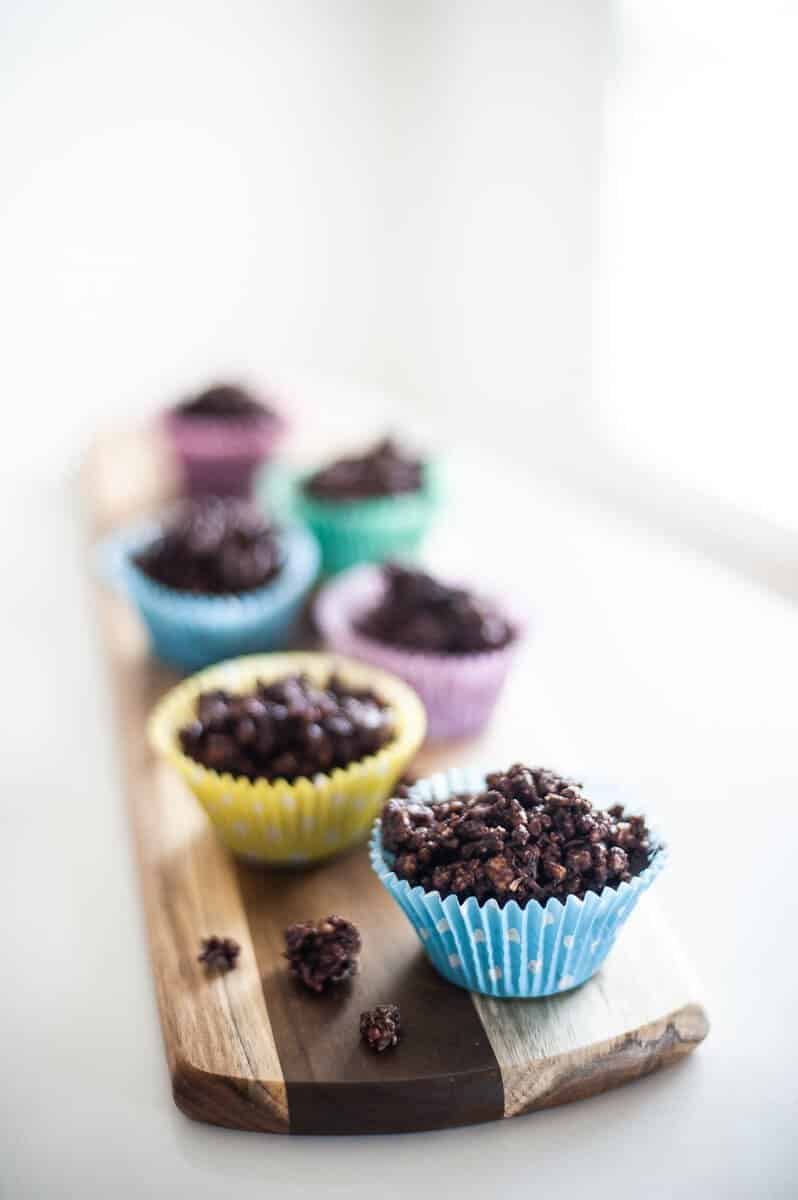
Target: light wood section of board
[
  {"x": 219, "y": 1042},
  {"x": 638, "y": 1013},
  {"x": 126, "y": 474}
]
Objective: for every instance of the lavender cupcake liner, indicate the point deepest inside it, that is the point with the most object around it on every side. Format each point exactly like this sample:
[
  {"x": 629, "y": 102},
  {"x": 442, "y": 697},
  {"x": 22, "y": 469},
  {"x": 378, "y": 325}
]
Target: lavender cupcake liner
[
  {"x": 459, "y": 691},
  {"x": 510, "y": 951},
  {"x": 221, "y": 457},
  {"x": 356, "y": 531},
  {"x": 191, "y": 631}
]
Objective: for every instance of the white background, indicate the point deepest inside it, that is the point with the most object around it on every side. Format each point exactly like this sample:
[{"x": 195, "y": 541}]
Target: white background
[
  {"x": 325, "y": 197},
  {"x": 696, "y": 370},
  {"x": 562, "y": 234},
  {"x": 567, "y": 230}
]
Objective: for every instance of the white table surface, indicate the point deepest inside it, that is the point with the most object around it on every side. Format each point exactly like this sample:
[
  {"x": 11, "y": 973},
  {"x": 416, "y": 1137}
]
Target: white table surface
[{"x": 651, "y": 665}]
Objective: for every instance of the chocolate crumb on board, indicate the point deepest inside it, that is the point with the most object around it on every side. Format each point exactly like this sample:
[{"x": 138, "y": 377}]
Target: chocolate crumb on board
[
  {"x": 322, "y": 953},
  {"x": 380, "y": 1027},
  {"x": 218, "y": 954}
]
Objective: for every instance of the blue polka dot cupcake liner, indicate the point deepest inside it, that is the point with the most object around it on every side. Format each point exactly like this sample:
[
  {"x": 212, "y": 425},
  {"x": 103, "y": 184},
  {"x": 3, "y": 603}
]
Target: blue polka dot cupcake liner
[
  {"x": 189, "y": 631},
  {"x": 510, "y": 951}
]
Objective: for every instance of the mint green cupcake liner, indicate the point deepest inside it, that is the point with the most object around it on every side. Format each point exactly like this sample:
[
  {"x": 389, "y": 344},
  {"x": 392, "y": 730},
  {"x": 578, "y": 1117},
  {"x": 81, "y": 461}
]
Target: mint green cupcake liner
[
  {"x": 191, "y": 631},
  {"x": 510, "y": 951},
  {"x": 359, "y": 530}
]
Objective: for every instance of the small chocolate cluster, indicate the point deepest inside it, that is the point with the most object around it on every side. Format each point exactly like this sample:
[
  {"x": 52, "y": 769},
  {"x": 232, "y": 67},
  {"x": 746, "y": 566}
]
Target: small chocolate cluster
[
  {"x": 219, "y": 953},
  {"x": 214, "y": 546},
  {"x": 286, "y": 729},
  {"x": 385, "y": 470},
  {"x": 380, "y": 1027},
  {"x": 322, "y": 953},
  {"x": 417, "y": 612},
  {"x": 224, "y": 401},
  {"x": 530, "y": 835}
]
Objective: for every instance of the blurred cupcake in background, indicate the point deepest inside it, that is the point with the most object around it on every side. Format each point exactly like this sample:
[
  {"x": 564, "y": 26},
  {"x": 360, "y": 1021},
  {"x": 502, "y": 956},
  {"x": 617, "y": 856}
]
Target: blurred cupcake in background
[
  {"x": 220, "y": 437},
  {"x": 364, "y": 507},
  {"x": 451, "y": 645},
  {"x": 215, "y": 580}
]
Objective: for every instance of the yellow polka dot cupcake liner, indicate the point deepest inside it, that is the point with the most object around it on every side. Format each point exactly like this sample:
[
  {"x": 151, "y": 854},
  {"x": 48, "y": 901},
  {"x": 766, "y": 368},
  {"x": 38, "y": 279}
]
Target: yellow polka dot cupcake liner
[{"x": 297, "y": 822}]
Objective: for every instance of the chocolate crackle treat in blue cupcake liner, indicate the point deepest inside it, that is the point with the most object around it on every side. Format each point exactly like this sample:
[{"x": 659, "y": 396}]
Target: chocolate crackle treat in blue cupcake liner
[
  {"x": 214, "y": 580},
  {"x": 516, "y": 883}
]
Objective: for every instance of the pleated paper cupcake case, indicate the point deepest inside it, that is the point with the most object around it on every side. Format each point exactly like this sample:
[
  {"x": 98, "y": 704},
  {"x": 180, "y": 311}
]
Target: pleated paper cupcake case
[
  {"x": 221, "y": 456},
  {"x": 191, "y": 632},
  {"x": 306, "y": 820},
  {"x": 511, "y": 951},
  {"x": 356, "y": 531},
  {"x": 459, "y": 691},
  {"x": 295, "y": 823}
]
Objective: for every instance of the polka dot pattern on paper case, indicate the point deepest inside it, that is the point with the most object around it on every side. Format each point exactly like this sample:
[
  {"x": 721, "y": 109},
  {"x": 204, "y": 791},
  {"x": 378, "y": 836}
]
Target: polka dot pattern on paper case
[
  {"x": 188, "y": 630},
  {"x": 509, "y": 951},
  {"x": 307, "y": 819}
]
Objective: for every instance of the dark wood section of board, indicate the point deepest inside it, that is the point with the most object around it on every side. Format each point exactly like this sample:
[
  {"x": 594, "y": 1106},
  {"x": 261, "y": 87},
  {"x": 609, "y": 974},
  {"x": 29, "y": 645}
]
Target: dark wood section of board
[{"x": 446, "y": 1073}]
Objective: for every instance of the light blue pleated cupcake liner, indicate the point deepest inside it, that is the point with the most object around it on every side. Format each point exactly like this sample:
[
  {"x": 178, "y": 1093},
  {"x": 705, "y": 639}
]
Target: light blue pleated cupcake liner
[
  {"x": 355, "y": 531},
  {"x": 190, "y": 631},
  {"x": 510, "y": 951}
]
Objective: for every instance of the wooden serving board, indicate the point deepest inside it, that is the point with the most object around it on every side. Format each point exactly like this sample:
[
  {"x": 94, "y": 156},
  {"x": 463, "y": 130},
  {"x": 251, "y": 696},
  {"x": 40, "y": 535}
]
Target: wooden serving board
[{"x": 251, "y": 1049}]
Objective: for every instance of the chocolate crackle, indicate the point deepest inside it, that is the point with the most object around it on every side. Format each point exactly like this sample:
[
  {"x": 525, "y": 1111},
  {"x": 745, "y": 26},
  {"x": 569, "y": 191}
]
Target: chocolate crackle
[
  {"x": 213, "y": 546},
  {"x": 530, "y": 835},
  {"x": 384, "y": 470},
  {"x": 219, "y": 954},
  {"x": 418, "y": 612},
  {"x": 380, "y": 1027},
  {"x": 225, "y": 402},
  {"x": 322, "y": 953},
  {"x": 287, "y": 729}
]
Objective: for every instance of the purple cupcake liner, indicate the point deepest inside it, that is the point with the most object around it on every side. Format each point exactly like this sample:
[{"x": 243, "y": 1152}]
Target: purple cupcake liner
[
  {"x": 459, "y": 691},
  {"x": 221, "y": 456}
]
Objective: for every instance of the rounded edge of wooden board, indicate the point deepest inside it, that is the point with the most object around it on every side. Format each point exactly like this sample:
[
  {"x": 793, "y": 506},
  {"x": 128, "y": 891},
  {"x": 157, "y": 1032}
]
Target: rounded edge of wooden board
[
  {"x": 597, "y": 1068},
  {"x": 235, "y": 1103},
  {"x": 544, "y": 1083}
]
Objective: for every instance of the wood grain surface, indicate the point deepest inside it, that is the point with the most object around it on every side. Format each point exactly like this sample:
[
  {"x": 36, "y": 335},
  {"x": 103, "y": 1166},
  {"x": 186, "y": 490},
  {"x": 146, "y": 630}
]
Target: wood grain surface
[{"x": 251, "y": 1049}]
